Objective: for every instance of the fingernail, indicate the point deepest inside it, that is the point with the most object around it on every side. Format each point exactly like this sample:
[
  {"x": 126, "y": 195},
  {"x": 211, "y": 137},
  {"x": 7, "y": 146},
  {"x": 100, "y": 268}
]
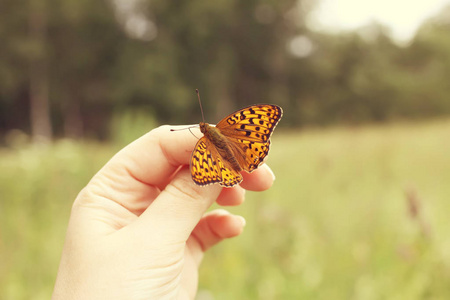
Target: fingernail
[
  {"x": 270, "y": 171},
  {"x": 222, "y": 212},
  {"x": 241, "y": 220}
]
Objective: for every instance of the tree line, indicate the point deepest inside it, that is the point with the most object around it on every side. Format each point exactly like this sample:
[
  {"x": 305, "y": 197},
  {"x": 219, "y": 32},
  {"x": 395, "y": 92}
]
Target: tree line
[{"x": 67, "y": 67}]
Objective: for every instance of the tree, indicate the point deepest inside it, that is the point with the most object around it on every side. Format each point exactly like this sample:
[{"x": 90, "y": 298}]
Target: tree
[{"x": 41, "y": 128}]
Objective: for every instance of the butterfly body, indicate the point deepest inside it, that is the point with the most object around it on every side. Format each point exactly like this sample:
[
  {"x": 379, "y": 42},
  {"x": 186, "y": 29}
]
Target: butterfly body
[
  {"x": 238, "y": 142},
  {"x": 221, "y": 143}
]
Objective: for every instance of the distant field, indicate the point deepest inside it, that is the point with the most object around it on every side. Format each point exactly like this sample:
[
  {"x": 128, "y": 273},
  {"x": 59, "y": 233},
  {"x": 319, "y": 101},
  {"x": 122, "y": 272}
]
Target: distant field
[{"x": 355, "y": 213}]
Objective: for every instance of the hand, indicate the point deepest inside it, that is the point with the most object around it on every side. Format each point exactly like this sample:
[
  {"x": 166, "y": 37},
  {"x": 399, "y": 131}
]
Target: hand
[{"x": 138, "y": 230}]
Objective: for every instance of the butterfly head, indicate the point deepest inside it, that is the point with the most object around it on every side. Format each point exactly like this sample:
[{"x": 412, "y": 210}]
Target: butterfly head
[{"x": 203, "y": 127}]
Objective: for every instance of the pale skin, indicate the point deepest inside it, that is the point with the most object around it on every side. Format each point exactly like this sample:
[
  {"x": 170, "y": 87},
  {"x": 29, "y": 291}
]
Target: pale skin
[{"x": 139, "y": 230}]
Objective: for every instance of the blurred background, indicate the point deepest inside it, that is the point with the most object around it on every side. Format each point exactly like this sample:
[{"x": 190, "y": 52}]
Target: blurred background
[{"x": 361, "y": 203}]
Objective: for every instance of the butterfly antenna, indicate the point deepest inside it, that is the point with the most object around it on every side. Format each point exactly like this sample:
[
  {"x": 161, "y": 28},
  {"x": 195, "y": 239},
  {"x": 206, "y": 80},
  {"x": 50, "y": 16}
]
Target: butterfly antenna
[
  {"x": 193, "y": 133},
  {"x": 200, "y": 102},
  {"x": 189, "y": 128},
  {"x": 195, "y": 126}
]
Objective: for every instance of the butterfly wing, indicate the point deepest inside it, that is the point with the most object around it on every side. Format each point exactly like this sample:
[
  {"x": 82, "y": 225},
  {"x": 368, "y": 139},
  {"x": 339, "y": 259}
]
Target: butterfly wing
[
  {"x": 250, "y": 154},
  {"x": 249, "y": 131},
  {"x": 208, "y": 166}
]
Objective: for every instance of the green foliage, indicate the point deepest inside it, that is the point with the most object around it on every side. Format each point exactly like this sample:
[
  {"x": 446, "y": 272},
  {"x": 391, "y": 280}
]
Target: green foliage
[
  {"x": 235, "y": 52},
  {"x": 355, "y": 213},
  {"x": 130, "y": 125}
]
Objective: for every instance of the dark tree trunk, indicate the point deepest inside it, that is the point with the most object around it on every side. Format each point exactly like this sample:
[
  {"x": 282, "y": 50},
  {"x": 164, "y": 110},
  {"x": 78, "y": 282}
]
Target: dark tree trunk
[
  {"x": 41, "y": 128},
  {"x": 73, "y": 121}
]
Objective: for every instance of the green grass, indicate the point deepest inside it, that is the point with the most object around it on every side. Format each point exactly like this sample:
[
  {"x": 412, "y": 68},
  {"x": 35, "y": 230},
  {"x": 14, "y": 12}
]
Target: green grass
[
  {"x": 337, "y": 223},
  {"x": 37, "y": 188}
]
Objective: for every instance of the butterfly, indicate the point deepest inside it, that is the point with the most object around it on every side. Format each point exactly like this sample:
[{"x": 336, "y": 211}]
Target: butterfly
[{"x": 238, "y": 142}]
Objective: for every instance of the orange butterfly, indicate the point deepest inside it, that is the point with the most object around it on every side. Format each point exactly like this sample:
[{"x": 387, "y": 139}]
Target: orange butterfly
[{"x": 238, "y": 142}]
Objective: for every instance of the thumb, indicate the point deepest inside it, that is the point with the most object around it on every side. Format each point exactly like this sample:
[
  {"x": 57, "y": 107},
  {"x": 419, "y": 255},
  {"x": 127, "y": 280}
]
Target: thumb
[{"x": 178, "y": 208}]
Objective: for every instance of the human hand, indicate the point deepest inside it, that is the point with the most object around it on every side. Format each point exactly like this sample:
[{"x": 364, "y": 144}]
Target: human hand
[{"x": 138, "y": 230}]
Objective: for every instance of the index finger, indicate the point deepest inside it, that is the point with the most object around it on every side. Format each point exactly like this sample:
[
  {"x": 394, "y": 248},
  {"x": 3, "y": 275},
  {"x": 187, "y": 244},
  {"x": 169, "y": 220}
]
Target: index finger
[{"x": 154, "y": 157}]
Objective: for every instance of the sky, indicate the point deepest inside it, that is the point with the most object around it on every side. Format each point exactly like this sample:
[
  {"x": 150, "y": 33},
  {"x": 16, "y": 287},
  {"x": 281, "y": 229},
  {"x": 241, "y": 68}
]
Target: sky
[{"x": 403, "y": 17}]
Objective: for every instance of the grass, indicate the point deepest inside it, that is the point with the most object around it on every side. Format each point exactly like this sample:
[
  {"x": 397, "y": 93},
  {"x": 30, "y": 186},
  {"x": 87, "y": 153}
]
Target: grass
[
  {"x": 37, "y": 188},
  {"x": 339, "y": 223},
  {"x": 355, "y": 213}
]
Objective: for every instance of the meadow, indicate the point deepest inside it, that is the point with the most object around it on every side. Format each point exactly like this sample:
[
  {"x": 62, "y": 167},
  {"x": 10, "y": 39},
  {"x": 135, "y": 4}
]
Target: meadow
[{"x": 354, "y": 213}]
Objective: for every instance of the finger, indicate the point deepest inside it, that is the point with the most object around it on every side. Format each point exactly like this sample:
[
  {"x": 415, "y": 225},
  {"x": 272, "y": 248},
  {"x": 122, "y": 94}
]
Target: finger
[
  {"x": 134, "y": 177},
  {"x": 214, "y": 227},
  {"x": 259, "y": 180},
  {"x": 177, "y": 210},
  {"x": 152, "y": 158},
  {"x": 231, "y": 196}
]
